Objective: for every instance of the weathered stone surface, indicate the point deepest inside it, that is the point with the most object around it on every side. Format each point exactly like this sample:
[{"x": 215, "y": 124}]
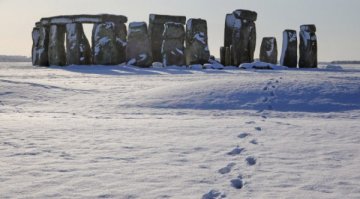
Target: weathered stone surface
[
  {"x": 156, "y": 30},
  {"x": 289, "y": 49},
  {"x": 222, "y": 55},
  {"x": 245, "y": 14},
  {"x": 197, "y": 49},
  {"x": 138, "y": 46},
  {"x": 243, "y": 41},
  {"x": 78, "y": 50},
  {"x": 40, "y": 36},
  {"x": 268, "y": 50},
  {"x": 34, "y": 52},
  {"x": 172, "y": 49},
  {"x": 228, "y": 56},
  {"x": 109, "y": 43},
  {"x": 67, "y": 19},
  {"x": 229, "y": 28},
  {"x": 308, "y": 47},
  {"x": 57, "y": 54}
]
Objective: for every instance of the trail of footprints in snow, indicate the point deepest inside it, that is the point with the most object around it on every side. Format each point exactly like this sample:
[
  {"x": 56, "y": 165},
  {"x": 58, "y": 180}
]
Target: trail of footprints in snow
[{"x": 238, "y": 183}]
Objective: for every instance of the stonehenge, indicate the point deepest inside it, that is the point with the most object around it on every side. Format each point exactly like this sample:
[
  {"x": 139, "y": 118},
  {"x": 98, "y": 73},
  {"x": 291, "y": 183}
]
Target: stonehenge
[
  {"x": 166, "y": 40},
  {"x": 172, "y": 48},
  {"x": 308, "y": 47},
  {"x": 138, "y": 47},
  {"x": 197, "y": 48},
  {"x": 268, "y": 50},
  {"x": 289, "y": 49},
  {"x": 240, "y": 37},
  {"x": 156, "y": 31}
]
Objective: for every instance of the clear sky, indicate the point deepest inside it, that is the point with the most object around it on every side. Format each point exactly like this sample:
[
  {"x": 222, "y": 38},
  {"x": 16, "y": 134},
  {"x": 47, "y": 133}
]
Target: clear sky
[{"x": 337, "y": 20}]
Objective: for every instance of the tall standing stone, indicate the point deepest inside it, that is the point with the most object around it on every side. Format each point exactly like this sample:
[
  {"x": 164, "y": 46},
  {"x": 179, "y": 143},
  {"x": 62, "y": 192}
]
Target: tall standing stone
[
  {"x": 78, "y": 50},
  {"x": 57, "y": 53},
  {"x": 40, "y": 36},
  {"x": 197, "y": 49},
  {"x": 268, "y": 50},
  {"x": 243, "y": 37},
  {"x": 36, "y": 40},
  {"x": 156, "y": 30},
  {"x": 138, "y": 47},
  {"x": 172, "y": 49},
  {"x": 289, "y": 49},
  {"x": 308, "y": 47},
  {"x": 109, "y": 44}
]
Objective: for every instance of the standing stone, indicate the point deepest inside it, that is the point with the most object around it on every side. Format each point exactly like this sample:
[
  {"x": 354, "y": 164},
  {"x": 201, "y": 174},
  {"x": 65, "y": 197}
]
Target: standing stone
[
  {"x": 172, "y": 49},
  {"x": 78, "y": 50},
  {"x": 40, "y": 36},
  {"x": 289, "y": 49},
  {"x": 57, "y": 54},
  {"x": 197, "y": 49},
  {"x": 138, "y": 47},
  {"x": 34, "y": 52},
  {"x": 109, "y": 44},
  {"x": 268, "y": 50},
  {"x": 228, "y": 56},
  {"x": 308, "y": 47},
  {"x": 229, "y": 28},
  {"x": 156, "y": 30},
  {"x": 222, "y": 55},
  {"x": 243, "y": 37}
]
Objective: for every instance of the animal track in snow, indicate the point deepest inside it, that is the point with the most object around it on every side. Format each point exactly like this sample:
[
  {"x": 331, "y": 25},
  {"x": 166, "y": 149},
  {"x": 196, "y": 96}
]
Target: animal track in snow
[
  {"x": 236, "y": 151},
  {"x": 258, "y": 128},
  {"x": 214, "y": 194},
  {"x": 237, "y": 183},
  {"x": 227, "y": 169},
  {"x": 243, "y": 135},
  {"x": 255, "y": 142},
  {"x": 251, "y": 160}
]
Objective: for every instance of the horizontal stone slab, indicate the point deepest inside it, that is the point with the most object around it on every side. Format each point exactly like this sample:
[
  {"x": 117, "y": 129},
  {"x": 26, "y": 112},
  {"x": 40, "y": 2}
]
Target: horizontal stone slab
[
  {"x": 66, "y": 19},
  {"x": 245, "y": 14},
  {"x": 161, "y": 19},
  {"x": 308, "y": 28}
]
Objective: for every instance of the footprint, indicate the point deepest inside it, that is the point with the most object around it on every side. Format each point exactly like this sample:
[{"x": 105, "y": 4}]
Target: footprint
[
  {"x": 265, "y": 88},
  {"x": 236, "y": 151},
  {"x": 265, "y": 99},
  {"x": 258, "y": 128},
  {"x": 214, "y": 194},
  {"x": 251, "y": 161},
  {"x": 251, "y": 122},
  {"x": 237, "y": 183},
  {"x": 264, "y": 116},
  {"x": 272, "y": 93},
  {"x": 255, "y": 142},
  {"x": 243, "y": 135},
  {"x": 227, "y": 169}
]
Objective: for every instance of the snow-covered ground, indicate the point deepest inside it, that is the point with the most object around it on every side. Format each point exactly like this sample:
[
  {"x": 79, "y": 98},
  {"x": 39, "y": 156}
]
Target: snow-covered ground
[{"x": 124, "y": 132}]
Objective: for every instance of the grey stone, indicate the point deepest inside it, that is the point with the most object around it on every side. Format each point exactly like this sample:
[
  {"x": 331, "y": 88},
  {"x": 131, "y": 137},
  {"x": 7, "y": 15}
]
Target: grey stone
[
  {"x": 289, "y": 49},
  {"x": 57, "y": 53},
  {"x": 229, "y": 28},
  {"x": 308, "y": 47},
  {"x": 268, "y": 50},
  {"x": 156, "y": 30},
  {"x": 67, "y": 19},
  {"x": 78, "y": 50},
  {"x": 222, "y": 55},
  {"x": 40, "y": 36},
  {"x": 138, "y": 46},
  {"x": 197, "y": 49},
  {"x": 109, "y": 43},
  {"x": 172, "y": 49},
  {"x": 243, "y": 37},
  {"x": 228, "y": 56}
]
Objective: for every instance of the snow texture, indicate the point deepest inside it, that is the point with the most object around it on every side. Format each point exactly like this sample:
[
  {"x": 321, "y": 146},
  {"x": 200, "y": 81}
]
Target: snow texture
[{"x": 126, "y": 132}]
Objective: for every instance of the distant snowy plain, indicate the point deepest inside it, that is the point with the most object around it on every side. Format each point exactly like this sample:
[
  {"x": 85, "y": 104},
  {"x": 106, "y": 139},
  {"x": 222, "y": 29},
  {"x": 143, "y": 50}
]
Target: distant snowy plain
[{"x": 125, "y": 132}]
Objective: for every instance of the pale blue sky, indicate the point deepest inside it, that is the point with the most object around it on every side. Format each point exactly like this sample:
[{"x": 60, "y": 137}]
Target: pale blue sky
[{"x": 337, "y": 20}]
